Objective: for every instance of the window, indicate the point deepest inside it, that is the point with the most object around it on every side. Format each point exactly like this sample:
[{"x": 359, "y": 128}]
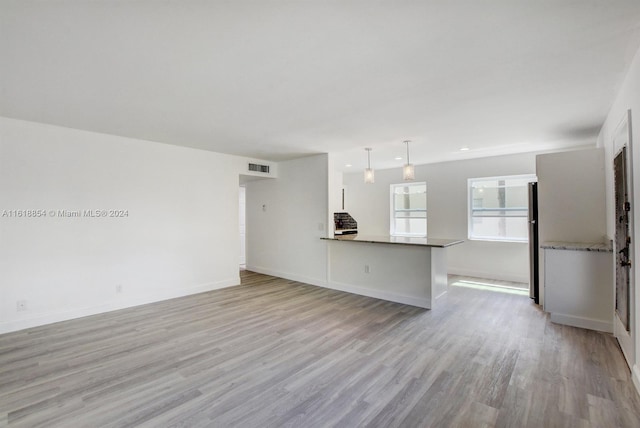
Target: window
[
  {"x": 409, "y": 209},
  {"x": 498, "y": 208}
]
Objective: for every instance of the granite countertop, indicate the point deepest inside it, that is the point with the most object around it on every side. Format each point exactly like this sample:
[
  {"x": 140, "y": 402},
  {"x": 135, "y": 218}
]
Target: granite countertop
[
  {"x": 578, "y": 246},
  {"x": 402, "y": 240}
]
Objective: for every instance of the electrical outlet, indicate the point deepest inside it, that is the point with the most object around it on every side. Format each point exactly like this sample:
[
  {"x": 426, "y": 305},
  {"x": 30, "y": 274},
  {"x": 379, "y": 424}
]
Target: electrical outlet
[
  {"x": 21, "y": 305},
  {"x": 119, "y": 288},
  {"x": 366, "y": 269}
]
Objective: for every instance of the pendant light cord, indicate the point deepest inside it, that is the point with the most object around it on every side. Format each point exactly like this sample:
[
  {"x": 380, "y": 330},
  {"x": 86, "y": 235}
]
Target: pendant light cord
[{"x": 407, "y": 144}]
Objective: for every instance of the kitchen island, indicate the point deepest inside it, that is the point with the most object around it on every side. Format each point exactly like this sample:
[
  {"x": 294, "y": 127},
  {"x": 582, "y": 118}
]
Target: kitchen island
[{"x": 400, "y": 269}]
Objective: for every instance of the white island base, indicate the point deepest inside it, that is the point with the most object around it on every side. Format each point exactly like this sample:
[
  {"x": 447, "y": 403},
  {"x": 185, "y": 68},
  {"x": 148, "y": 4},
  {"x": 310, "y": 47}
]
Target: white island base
[{"x": 412, "y": 271}]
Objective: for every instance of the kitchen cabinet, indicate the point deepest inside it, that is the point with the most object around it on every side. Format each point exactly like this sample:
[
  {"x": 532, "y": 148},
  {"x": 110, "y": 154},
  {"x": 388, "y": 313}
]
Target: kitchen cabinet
[{"x": 579, "y": 284}]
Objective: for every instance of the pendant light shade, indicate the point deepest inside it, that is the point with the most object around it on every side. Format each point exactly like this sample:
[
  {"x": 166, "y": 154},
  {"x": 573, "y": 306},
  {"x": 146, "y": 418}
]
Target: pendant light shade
[
  {"x": 408, "y": 171},
  {"x": 369, "y": 175}
]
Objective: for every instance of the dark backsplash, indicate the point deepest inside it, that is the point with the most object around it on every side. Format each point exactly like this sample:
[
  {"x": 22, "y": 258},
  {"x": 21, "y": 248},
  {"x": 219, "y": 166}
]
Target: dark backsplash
[{"x": 344, "y": 221}]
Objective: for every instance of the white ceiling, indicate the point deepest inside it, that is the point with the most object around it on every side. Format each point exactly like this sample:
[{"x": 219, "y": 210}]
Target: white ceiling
[{"x": 282, "y": 79}]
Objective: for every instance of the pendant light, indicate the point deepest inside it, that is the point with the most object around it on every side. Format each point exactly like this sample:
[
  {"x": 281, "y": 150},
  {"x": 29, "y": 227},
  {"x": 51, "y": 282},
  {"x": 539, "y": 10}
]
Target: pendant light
[
  {"x": 408, "y": 171},
  {"x": 369, "y": 176}
]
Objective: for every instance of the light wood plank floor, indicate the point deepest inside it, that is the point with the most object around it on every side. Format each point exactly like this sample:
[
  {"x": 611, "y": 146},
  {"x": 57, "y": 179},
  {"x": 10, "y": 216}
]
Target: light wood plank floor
[{"x": 273, "y": 352}]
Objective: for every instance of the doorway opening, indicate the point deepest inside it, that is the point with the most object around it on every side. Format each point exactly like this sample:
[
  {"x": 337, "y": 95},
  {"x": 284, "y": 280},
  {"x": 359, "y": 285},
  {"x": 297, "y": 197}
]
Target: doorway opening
[
  {"x": 623, "y": 240},
  {"x": 242, "y": 216},
  {"x": 624, "y": 318}
]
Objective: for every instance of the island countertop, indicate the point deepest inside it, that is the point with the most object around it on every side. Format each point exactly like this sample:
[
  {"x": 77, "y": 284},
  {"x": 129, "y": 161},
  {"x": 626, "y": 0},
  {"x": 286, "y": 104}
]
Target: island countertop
[{"x": 402, "y": 240}]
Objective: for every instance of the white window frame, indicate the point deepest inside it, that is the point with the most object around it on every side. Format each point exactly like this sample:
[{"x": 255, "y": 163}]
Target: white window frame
[
  {"x": 470, "y": 217},
  {"x": 392, "y": 214}
]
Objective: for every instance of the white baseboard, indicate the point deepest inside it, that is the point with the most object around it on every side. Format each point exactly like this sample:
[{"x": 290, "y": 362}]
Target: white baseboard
[
  {"x": 499, "y": 276},
  {"x": 353, "y": 289},
  {"x": 588, "y": 323},
  {"x": 420, "y": 302},
  {"x": 287, "y": 275},
  {"x": 40, "y": 319},
  {"x": 635, "y": 377}
]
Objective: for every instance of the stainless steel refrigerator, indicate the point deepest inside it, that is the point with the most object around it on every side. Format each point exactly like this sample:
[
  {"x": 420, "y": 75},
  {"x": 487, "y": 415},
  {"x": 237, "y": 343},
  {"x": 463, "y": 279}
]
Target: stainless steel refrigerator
[{"x": 534, "y": 269}]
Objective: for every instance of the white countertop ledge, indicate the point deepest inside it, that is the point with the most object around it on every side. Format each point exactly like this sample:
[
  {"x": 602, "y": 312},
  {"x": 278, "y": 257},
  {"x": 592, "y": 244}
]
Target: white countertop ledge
[
  {"x": 401, "y": 240},
  {"x": 578, "y": 246}
]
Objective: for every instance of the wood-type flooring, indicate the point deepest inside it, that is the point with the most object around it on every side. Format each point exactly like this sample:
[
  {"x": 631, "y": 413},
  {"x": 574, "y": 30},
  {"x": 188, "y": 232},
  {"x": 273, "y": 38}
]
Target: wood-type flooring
[{"x": 278, "y": 353}]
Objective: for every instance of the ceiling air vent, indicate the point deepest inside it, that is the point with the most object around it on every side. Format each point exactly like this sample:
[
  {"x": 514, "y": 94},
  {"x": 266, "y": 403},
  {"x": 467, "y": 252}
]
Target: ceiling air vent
[{"x": 258, "y": 168}]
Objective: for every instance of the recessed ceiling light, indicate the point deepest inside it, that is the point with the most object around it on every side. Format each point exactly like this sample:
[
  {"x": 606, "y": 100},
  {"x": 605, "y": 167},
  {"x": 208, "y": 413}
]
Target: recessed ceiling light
[
  {"x": 398, "y": 157},
  {"x": 464, "y": 149},
  {"x": 348, "y": 165}
]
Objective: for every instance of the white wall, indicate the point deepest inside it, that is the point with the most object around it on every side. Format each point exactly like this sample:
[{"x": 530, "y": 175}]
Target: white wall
[
  {"x": 627, "y": 98},
  {"x": 571, "y": 196},
  {"x": 286, "y": 219},
  {"x": 242, "y": 224},
  {"x": 334, "y": 184},
  {"x": 447, "y": 212},
  {"x": 180, "y": 236}
]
